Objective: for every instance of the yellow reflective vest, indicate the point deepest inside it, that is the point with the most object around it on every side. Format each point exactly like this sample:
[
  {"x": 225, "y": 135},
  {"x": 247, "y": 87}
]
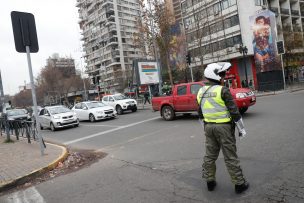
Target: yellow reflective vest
[{"x": 212, "y": 105}]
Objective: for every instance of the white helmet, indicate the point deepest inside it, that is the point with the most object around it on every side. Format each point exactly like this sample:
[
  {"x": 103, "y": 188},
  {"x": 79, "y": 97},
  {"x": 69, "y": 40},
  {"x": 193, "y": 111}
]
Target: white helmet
[{"x": 213, "y": 70}]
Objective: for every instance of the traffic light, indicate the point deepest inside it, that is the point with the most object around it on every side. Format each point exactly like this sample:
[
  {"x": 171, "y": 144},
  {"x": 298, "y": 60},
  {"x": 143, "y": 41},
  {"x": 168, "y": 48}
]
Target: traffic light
[
  {"x": 188, "y": 58},
  {"x": 280, "y": 47}
]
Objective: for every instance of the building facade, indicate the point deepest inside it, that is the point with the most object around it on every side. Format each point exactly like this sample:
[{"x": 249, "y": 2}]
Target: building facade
[
  {"x": 108, "y": 28},
  {"x": 65, "y": 65},
  {"x": 224, "y": 26}
]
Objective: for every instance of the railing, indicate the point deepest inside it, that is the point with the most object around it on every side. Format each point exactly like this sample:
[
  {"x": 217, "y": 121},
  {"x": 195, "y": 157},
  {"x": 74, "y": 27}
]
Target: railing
[
  {"x": 295, "y": 13},
  {"x": 284, "y": 11},
  {"x": 27, "y": 129},
  {"x": 275, "y": 86}
]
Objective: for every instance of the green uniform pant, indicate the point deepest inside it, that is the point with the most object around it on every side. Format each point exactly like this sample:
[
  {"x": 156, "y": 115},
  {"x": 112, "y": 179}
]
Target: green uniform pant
[{"x": 221, "y": 136}]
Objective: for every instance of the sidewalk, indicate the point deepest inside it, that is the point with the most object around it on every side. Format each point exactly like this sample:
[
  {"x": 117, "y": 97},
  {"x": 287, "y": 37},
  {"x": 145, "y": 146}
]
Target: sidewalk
[{"x": 20, "y": 160}]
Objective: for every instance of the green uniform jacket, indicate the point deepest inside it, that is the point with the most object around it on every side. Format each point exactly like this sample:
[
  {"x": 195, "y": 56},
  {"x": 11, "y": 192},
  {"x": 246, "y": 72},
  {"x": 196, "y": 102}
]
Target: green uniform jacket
[{"x": 229, "y": 102}]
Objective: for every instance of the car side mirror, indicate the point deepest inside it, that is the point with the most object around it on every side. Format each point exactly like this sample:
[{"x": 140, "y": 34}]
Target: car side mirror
[
  {"x": 111, "y": 100},
  {"x": 84, "y": 108},
  {"x": 46, "y": 114}
]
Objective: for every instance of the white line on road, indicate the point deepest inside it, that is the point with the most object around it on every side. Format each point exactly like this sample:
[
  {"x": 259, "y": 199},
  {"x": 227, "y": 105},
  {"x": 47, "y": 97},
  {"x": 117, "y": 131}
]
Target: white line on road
[
  {"x": 26, "y": 196},
  {"x": 90, "y": 125},
  {"x": 109, "y": 131},
  {"x": 133, "y": 139}
]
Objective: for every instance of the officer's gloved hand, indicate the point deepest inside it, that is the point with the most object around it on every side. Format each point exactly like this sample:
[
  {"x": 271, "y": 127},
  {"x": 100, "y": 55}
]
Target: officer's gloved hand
[{"x": 241, "y": 128}]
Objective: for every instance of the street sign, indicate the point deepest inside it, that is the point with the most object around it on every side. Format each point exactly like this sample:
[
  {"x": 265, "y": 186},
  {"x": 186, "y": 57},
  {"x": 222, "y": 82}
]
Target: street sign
[{"x": 24, "y": 29}]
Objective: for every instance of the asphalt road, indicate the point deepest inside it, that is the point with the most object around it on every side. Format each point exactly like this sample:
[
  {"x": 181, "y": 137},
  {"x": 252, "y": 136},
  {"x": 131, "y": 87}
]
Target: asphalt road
[{"x": 152, "y": 160}]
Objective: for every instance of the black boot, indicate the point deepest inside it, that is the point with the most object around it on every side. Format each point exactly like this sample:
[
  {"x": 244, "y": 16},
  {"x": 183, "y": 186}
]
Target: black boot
[
  {"x": 241, "y": 188},
  {"x": 211, "y": 185}
]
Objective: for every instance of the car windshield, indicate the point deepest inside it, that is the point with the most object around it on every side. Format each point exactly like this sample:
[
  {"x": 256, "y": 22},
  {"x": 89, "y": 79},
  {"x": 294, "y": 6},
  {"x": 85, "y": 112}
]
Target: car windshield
[
  {"x": 16, "y": 112},
  {"x": 95, "y": 105},
  {"x": 119, "y": 97},
  {"x": 58, "y": 110}
]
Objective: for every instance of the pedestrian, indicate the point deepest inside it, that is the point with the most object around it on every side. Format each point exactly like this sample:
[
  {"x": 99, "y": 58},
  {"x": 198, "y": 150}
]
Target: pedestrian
[
  {"x": 220, "y": 114},
  {"x": 147, "y": 99}
]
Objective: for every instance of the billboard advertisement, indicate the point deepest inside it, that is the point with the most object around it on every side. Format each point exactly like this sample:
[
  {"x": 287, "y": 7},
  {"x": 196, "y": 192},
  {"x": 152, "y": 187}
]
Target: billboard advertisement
[
  {"x": 263, "y": 26},
  {"x": 148, "y": 72}
]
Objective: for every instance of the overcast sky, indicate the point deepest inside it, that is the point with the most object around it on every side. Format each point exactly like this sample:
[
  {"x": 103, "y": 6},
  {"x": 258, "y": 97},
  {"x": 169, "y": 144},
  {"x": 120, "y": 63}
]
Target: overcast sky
[{"x": 57, "y": 30}]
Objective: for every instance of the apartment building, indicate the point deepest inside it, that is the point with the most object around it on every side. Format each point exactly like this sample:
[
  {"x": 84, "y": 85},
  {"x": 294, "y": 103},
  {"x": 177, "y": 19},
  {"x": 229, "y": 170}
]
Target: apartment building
[
  {"x": 108, "y": 28},
  {"x": 224, "y": 26},
  {"x": 65, "y": 65}
]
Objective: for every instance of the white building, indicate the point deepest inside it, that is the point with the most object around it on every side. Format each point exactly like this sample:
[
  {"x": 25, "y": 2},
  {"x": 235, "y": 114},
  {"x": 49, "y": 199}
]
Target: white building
[
  {"x": 108, "y": 27},
  {"x": 225, "y": 25}
]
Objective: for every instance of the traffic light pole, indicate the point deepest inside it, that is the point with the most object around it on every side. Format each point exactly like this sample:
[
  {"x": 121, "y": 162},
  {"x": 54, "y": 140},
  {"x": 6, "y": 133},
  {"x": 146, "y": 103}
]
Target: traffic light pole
[{"x": 283, "y": 71}]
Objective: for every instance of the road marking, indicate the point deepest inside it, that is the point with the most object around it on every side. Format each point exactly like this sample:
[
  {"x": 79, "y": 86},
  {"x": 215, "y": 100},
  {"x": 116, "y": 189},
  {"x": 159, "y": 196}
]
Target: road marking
[
  {"x": 131, "y": 140},
  {"x": 26, "y": 196},
  {"x": 90, "y": 125},
  {"x": 109, "y": 131}
]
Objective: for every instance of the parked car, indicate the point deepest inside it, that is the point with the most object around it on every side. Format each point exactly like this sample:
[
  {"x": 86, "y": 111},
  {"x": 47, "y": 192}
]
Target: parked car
[
  {"x": 18, "y": 114},
  {"x": 183, "y": 100},
  {"x": 93, "y": 110},
  {"x": 55, "y": 117},
  {"x": 120, "y": 102}
]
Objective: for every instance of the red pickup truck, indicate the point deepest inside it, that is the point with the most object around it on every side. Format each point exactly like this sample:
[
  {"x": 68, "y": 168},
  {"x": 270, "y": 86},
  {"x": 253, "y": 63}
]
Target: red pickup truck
[{"x": 183, "y": 100}]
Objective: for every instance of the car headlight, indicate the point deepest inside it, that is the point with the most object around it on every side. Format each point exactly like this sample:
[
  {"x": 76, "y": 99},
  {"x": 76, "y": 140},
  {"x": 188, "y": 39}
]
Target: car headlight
[
  {"x": 240, "y": 95},
  {"x": 56, "y": 117}
]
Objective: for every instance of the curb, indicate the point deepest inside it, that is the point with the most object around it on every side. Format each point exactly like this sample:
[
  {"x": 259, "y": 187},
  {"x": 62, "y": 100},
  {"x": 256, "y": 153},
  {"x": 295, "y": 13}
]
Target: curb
[{"x": 20, "y": 180}]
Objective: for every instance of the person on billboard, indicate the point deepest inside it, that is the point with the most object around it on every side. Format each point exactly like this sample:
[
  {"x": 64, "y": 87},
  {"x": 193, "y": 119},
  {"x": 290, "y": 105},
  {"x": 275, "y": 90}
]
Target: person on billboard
[{"x": 262, "y": 50}]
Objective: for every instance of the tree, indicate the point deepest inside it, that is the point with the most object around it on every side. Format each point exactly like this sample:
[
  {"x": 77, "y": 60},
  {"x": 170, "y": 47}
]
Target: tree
[{"x": 156, "y": 24}]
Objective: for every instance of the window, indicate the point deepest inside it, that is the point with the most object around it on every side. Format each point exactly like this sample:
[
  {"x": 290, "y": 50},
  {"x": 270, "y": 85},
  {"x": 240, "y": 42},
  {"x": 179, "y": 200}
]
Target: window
[
  {"x": 84, "y": 106},
  {"x": 229, "y": 42},
  {"x": 237, "y": 39},
  {"x": 232, "y": 2},
  {"x": 78, "y": 106},
  {"x": 182, "y": 90},
  {"x": 225, "y": 4},
  {"x": 195, "y": 88},
  {"x": 41, "y": 112},
  {"x": 227, "y": 23},
  {"x": 234, "y": 20},
  {"x": 259, "y": 2}
]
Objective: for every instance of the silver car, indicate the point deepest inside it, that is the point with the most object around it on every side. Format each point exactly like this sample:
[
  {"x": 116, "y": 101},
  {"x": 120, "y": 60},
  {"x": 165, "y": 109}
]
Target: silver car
[{"x": 55, "y": 117}]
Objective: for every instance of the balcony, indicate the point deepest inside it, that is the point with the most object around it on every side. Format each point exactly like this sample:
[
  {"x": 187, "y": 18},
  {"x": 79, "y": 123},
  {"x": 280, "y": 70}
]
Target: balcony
[
  {"x": 284, "y": 11},
  {"x": 274, "y": 9},
  {"x": 295, "y": 13}
]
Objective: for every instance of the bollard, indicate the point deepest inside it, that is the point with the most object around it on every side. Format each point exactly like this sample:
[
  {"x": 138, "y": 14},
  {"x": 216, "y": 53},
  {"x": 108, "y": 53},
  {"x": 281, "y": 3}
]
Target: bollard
[{"x": 6, "y": 124}]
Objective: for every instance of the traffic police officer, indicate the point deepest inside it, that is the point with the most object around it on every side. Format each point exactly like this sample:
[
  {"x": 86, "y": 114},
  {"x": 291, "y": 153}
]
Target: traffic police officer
[{"x": 220, "y": 114}]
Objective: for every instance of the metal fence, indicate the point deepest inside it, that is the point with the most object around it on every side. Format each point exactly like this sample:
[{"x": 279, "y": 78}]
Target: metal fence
[
  {"x": 275, "y": 86},
  {"x": 19, "y": 128}
]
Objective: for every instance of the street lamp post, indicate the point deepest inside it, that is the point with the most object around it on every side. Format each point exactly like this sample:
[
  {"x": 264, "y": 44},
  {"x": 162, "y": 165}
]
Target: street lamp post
[{"x": 243, "y": 50}]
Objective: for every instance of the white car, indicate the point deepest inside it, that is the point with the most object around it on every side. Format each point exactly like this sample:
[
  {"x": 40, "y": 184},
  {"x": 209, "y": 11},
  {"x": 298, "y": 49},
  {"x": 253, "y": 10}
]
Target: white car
[
  {"x": 120, "y": 102},
  {"x": 55, "y": 117},
  {"x": 93, "y": 110}
]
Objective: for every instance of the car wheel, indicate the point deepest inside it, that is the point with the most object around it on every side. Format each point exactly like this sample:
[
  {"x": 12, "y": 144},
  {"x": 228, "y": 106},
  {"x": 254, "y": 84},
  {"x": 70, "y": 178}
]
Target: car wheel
[
  {"x": 243, "y": 110},
  {"x": 134, "y": 110},
  {"x": 168, "y": 113},
  {"x": 52, "y": 127},
  {"x": 92, "y": 118},
  {"x": 41, "y": 128},
  {"x": 119, "y": 110}
]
